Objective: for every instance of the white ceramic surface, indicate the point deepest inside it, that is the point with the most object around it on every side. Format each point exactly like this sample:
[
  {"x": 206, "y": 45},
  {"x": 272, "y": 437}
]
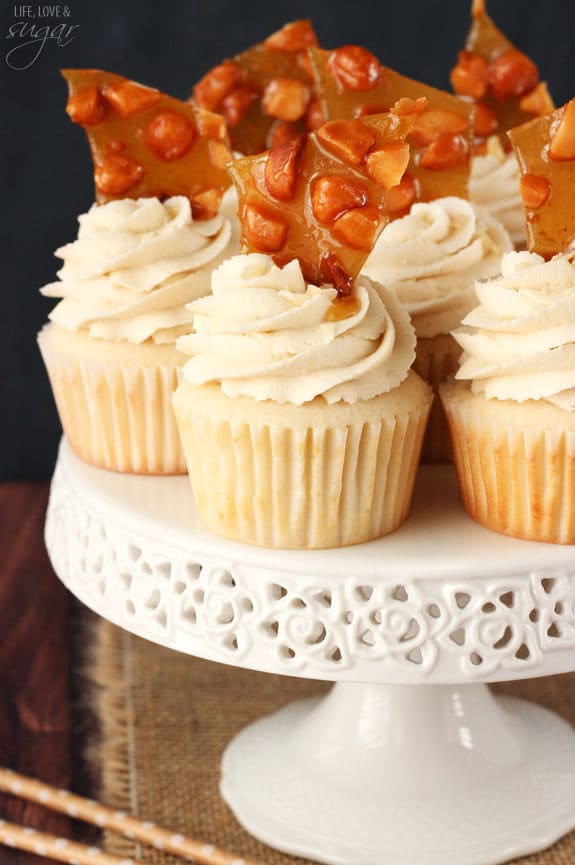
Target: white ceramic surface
[
  {"x": 441, "y": 600},
  {"x": 380, "y": 773}
]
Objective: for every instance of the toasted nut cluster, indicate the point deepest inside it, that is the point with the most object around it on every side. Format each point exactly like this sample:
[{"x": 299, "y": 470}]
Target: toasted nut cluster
[
  {"x": 117, "y": 174},
  {"x": 400, "y": 198},
  {"x": 470, "y": 76},
  {"x": 145, "y": 143},
  {"x": 237, "y": 103},
  {"x": 562, "y": 146},
  {"x": 267, "y": 83},
  {"x": 350, "y": 140},
  {"x": 502, "y": 80},
  {"x": 170, "y": 135},
  {"x": 286, "y": 99},
  {"x": 333, "y": 196},
  {"x": 219, "y": 82},
  {"x": 322, "y": 197},
  {"x": 512, "y": 74},
  {"x": 534, "y": 190},
  {"x": 281, "y": 171},
  {"x": 87, "y": 107},
  {"x": 129, "y": 98},
  {"x": 264, "y": 230},
  {"x": 485, "y": 123},
  {"x": 355, "y": 68}
]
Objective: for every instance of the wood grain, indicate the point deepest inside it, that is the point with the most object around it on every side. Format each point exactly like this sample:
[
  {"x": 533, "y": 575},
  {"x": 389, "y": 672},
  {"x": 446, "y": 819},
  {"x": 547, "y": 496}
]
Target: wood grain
[{"x": 35, "y": 728}]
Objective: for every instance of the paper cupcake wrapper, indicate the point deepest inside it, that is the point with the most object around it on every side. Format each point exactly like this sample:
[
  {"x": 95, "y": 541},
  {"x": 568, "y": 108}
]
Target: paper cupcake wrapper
[
  {"x": 117, "y": 417},
  {"x": 300, "y": 488},
  {"x": 436, "y": 360},
  {"x": 517, "y": 478}
]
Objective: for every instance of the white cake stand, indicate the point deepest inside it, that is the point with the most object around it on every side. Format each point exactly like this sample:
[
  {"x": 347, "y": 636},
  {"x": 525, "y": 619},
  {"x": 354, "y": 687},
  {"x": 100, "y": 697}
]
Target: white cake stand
[{"x": 382, "y": 771}]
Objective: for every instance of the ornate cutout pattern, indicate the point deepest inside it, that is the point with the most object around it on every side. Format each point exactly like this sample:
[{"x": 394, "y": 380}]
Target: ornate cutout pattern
[{"x": 301, "y": 624}]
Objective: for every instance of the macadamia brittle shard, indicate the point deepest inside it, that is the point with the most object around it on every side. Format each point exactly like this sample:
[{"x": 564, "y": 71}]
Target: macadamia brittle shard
[
  {"x": 352, "y": 83},
  {"x": 145, "y": 143},
  {"x": 321, "y": 198},
  {"x": 502, "y": 81},
  {"x": 265, "y": 94},
  {"x": 545, "y": 151}
]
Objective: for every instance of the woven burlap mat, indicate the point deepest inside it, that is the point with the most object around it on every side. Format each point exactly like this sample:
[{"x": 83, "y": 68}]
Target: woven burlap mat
[{"x": 166, "y": 718}]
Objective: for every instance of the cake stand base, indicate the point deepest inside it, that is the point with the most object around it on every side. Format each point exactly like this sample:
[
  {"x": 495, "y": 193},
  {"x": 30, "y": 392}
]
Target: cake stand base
[{"x": 404, "y": 775}]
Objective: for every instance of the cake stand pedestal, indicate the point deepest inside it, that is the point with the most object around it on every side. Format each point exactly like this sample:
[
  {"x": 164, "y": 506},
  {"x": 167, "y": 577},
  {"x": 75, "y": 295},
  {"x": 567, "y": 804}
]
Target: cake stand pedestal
[{"x": 409, "y": 760}]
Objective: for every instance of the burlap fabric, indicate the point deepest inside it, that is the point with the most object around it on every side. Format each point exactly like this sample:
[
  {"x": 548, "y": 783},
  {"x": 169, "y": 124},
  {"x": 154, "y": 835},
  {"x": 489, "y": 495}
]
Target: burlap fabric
[{"x": 166, "y": 718}]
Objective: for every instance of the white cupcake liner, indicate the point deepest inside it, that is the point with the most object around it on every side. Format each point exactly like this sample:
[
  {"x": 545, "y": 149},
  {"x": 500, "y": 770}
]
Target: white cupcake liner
[
  {"x": 117, "y": 417},
  {"x": 436, "y": 360},
  {"x": 516, "y": 473},
  {"x": 301, "y": 488}
]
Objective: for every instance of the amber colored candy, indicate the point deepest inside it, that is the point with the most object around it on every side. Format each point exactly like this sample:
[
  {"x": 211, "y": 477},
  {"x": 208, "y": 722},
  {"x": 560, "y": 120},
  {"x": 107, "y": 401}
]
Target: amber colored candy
[
  {"x": 351, "y": 83},
  {"x": 505, "y": 82},
  {"x": 321, "y": 198},
  {"x": 545, "y": 151},
  {"x": 263, "y": 88},
  {"x": 144, "y": 143}
]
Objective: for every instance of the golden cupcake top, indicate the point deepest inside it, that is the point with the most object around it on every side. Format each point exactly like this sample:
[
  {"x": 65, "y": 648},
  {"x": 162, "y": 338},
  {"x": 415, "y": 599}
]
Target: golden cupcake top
[
  {"x": 545, "y": 151},
  {"x": 502, "y": 81},
  {"x": 265, "y": 94},
  {"x": 352, "y": 83},
  {"x": 145, "y": 143},
  {"x": 322, "y": 198}
]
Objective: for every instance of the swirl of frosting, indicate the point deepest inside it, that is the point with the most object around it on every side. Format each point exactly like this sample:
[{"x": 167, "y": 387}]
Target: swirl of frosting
[
  {"x": 135, "y": 265},
  {"x": 265, "y": 334},
  {"x": 494, "y": 185},
  {"x": 431, "y": 257},
  {"x": 519, "y": 343}
]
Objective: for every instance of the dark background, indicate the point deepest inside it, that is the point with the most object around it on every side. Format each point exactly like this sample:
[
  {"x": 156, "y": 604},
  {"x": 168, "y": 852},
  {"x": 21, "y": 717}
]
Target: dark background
[{"x": 46, "y": 169}]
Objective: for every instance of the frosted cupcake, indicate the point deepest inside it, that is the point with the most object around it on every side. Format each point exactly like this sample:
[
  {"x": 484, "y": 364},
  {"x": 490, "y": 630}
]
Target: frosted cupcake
[
  {"x": 110, "y": 348},
  {"x": 145, "y": 250},
  {"x": 430, "y": 260},
  {"x": 303, "y": 406},
  {"x": 511, "y": 411}
]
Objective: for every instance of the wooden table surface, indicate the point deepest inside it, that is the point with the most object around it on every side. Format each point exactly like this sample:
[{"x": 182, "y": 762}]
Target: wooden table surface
[{"x": 35, "y": 651}]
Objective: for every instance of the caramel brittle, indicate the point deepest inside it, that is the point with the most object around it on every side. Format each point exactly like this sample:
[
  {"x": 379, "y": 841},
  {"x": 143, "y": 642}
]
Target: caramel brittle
[
  {"x": 144, "y": 143},
  {"x": 265, "y": 94},
  {"x": 501, "y": 80},
  {"x": 353, "y": 83},
  {"x": 321, "y": 197},
  {"x": 545, "y": 151}
]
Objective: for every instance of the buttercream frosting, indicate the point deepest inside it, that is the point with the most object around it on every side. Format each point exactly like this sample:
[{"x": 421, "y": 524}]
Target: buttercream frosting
[
  {"x": 265, "y": 334},
  {"x": 431, "y": 257},
  {"x": 135, "y": 265},
  {"x": 494, "y": 185},
  {"x": 519, "y": 342}
]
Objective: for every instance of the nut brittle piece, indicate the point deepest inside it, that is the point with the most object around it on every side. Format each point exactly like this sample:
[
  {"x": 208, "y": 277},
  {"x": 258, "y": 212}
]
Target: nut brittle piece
[
  {"x": 144, "y": 143},
  {"x": 351, "y": 82},
  {"x": 501, "y": 80},
  {"x": 265, "y": 94},
  {"x": 545, "y": 151},
  {"x": 321, "y": 197}
]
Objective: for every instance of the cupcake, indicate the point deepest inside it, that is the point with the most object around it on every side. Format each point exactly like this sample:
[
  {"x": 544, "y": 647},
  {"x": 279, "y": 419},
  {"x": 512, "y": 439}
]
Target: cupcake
[
  {"x": 299, "y": 415},
  {"x": 503, "y": 84},
  {"x": 145, "y": 250},
  {"x": 430, "y": 259},
  {"x": 511, "y": 410},
  {"x": 110, "y": 349}
]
